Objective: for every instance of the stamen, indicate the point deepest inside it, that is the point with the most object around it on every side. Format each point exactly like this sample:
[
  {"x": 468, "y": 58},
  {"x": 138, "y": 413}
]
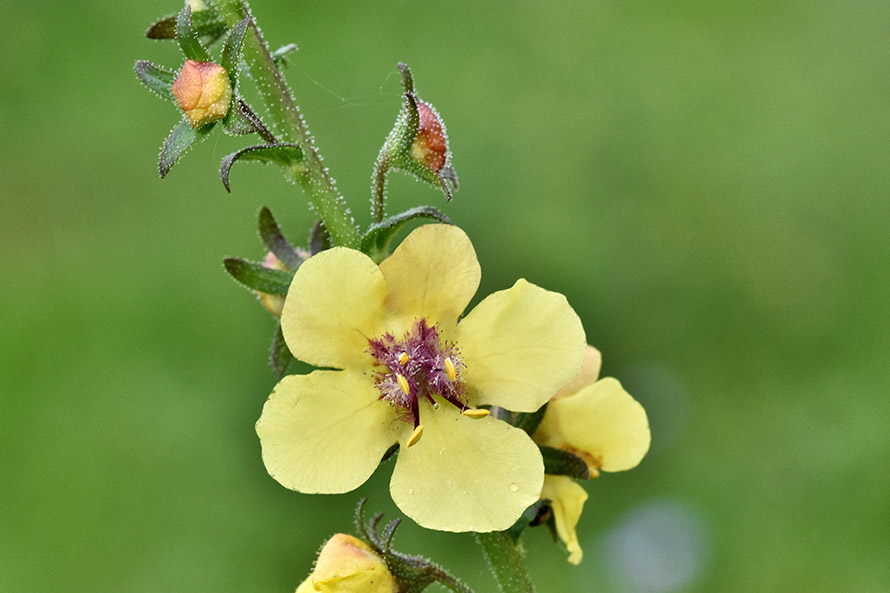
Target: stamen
[
  {"x": 415, "y": 436},
  {"x": 449, "y": 368},
  {"x": 476, "y": 413},
  {"x": 404, "y": 358},
  {"x": 403, "y": 383}
]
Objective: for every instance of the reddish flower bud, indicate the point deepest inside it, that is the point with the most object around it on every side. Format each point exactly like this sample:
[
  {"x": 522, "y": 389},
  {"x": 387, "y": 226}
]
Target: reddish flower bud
[
  {"x": 430, "y": 147},
  {"x": 203, "y": 91}
]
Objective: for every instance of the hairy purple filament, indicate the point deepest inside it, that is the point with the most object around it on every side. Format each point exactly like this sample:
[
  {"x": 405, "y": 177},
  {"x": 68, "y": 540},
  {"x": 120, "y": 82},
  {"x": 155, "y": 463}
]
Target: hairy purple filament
[{"x": 420, "y": 358}]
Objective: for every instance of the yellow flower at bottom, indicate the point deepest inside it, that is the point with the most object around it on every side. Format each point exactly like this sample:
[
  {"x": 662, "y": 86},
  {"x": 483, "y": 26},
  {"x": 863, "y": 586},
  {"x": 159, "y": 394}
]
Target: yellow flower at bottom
[
  {"x": 348, "y": 565},
  {"x": 413, "y": 368},
  {"x": 567, "y": 499},
  {"x": 601, "y": 423}
]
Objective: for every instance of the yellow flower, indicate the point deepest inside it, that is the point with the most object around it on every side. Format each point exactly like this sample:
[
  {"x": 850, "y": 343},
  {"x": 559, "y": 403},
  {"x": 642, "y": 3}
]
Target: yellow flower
[
  {"x": 348, "y": 565},
  {"x": 600, "y": 423},
  {"x": 567, "y": 499},
  {"x": 409, "y": 368}
]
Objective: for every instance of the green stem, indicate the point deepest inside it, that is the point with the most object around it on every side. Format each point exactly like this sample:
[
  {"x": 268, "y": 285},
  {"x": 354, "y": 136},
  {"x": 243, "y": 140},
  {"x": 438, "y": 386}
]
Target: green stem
[
  {"x": 380, "y": 170},
  {"x": 290, "y": 127},
  {"x": 507, "y": 562}
]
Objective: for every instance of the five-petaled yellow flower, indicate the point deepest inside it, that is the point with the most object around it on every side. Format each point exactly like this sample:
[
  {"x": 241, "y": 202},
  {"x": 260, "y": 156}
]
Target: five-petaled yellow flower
[
  {"x": 410, "y": 366},
  {"x": 597, "y": 420}
]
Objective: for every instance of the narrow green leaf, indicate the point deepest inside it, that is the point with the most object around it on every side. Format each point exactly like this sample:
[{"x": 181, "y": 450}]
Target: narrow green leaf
[
  {"x": 206, "y": 23},
  {"x": 157, "y": 78},
  {"x": 562, "y": 463},
  {"x": 187, "y": 39},
  {"x": 275, "y": 241},
  {"x": 319, "y": 239},
  {"x": 231, "y": 53},
  {"x": 179, "y": 140},
  {"x": 531, "y": 517},
  {"x": 279, "y": 354},
  {"x": 284, "y": 155},
  {"x": 376, "y": 241},
  {"x": 258, "y": 277}
]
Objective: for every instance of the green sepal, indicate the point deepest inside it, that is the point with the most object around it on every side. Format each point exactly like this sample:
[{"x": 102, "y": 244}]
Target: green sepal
[
  {"x": 376, "y": 241},
  {"x": 319, "y": 239},
  {"x": 157, "y": 78},
  {"x": 258, "y": 277},
  {"x": 206, "y": 23},
  {"x": 241, "y": 120},
  {"x": 279, "y": 354},
  {"x": 179, "y": 140},
  {"x": 279, "y": 56},
  {"x": 187, "y": 38},
  {"x": 562, "y": 463},
  {"x": 275, "y": 241},
  {"x": 531, "y": 517},
  {"x": 529, "y": 421},
  {"x": 231, "y": 53},
  {"x": 284, "y": 155}
]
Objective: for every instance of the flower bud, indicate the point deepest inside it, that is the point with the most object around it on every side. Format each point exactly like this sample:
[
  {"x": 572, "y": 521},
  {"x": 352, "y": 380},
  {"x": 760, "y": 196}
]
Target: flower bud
[
  {"x": 203, "y": 91},
  {"x": 273, "y": 303},
  {"x": 430, "y": 147},
  {"x": 348, "y": 565}
]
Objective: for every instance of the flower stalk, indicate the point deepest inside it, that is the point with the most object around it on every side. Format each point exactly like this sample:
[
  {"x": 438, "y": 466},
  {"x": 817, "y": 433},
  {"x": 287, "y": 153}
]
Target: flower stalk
[
  {"x": 507, "y": 562},
  {"x": 289, "y": 126}
]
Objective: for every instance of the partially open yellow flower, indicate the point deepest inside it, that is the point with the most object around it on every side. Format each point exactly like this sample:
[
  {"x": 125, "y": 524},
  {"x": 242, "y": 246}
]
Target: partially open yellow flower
[
  {"x": 203, "y": 92},
  {"x": 597, "y": 420},
  {"x": 412, "y": 374},
  {"x": 567, "y": 499},
  {"x": 348, "y": 565},
  {"x": 600, "y": 423}
]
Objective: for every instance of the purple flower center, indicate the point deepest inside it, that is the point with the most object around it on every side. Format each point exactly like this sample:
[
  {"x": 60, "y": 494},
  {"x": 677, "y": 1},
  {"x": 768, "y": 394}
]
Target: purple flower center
[{"x": 420, "y": 365}]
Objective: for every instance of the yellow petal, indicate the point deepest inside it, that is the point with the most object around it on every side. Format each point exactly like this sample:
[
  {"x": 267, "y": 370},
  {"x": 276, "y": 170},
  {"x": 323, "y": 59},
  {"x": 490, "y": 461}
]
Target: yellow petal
[
  {"x": 588, "y": 374},
  {"x": 326, "y": 431},
  {"x": 433, "y": 274},
  {"x": 306, "y": 586},
  {"x": 601, "y": 423},
  {"x": 567, "y": 499},
  {"x": 335, "y": 303},
  {"x": 466, "y": 474},
  {"x": 520, "y": 346}
]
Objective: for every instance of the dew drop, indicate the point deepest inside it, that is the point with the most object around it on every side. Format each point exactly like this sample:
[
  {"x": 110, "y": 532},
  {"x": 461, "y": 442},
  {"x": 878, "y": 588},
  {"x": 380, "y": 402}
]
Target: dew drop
[
  {"x": 514, "y": 487},
  {"x": 410, "y": 490}
]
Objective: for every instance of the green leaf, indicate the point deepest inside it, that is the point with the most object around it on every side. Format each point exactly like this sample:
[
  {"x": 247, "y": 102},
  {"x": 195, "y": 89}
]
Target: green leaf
[
  {"x": 376, "y": 241},
  {"x": 279, "y": 354},
  {"x": 275, "y": 241},
  {"x": 179, "y": 140},
  {"x": 532, "y": 516},
  {"x": 157, "y": 78},
  {"x": 231, "y": 53},
  {"x": 284, "y": 155},
  {"x": 529, "y": 421},
  {"x": 258, "y": 277},
  {"x": 562, "y": 463},
  {"x": 187, "y": 39},
  {"x": 206, "y": 23}
]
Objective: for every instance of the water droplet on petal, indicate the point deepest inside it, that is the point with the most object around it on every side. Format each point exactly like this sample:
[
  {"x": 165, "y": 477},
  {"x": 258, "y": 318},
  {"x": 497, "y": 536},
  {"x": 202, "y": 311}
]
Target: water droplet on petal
[{"x": 514, "y": 487}]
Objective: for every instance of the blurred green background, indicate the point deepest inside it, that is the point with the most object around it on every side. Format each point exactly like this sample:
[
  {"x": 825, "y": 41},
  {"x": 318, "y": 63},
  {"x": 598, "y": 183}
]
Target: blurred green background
[{"x": 707, "y": 182}]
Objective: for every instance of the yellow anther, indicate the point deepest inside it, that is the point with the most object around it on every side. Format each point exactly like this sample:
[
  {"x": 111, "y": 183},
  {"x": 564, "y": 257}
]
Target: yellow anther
[
  {"x": 404, "y": 358},
  {"x": 476, "y": 413},
  {"x": 415, "y": 436},
  {"x": 403, "y": 383},
  {"x": 449, "y": 368}
]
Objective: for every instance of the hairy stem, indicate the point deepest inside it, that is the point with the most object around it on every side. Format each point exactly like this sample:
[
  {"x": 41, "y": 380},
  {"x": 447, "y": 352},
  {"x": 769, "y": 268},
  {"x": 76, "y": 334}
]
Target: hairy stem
[
  {"x": 289, "y": 126},
  {"x": 507, "y": 562}
]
